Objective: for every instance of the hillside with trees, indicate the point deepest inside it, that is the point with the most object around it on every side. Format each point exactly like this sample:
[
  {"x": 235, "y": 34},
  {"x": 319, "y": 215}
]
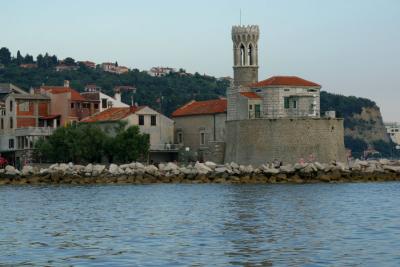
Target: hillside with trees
[{"x": 362, "y": 118}]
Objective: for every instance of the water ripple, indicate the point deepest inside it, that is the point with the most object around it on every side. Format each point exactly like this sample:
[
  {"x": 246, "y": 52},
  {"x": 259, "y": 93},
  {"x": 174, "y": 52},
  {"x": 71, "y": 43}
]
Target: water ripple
[{"x": 201, "y": 225}]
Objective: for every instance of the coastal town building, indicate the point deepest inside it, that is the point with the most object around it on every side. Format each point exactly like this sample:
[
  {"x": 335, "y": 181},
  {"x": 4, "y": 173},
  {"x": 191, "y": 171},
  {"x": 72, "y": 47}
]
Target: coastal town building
[
  {"x": 274, "y": 119},
  {"x": 159, "y": 127},
  {"x": 114, "y": 68},
  {"x": 393, "y": 130},
  {"x": 68, "y": 103},
  {"x": 160, "y": 71},
  {"x": 200, "y": 126},
  {"x": 88, "y": 64},
  {"x": 24, "y": 119},
  {"x": 93, "y": 93},
  {"x": 63, "y": 67}
]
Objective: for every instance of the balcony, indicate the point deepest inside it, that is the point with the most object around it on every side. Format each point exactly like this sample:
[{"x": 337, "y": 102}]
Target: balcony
[
  {"x": 165, "y": 147},
  {"x": 34, "y": 131}
]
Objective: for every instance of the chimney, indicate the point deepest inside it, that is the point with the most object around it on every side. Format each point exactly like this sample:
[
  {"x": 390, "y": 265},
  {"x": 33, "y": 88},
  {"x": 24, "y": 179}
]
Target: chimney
[
  {"x": 66, "y": 83},
  {"x": 117, "y": 94}
]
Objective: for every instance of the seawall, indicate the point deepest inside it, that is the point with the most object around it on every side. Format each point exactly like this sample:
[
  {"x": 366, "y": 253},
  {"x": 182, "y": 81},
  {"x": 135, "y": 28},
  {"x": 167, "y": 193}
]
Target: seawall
[
  {"x": 288, "y": 140},
  {"x": 209, "y": 172}
]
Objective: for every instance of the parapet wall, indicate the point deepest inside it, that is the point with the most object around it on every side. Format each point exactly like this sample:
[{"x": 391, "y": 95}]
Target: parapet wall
[{"x": 288, "y": 140}]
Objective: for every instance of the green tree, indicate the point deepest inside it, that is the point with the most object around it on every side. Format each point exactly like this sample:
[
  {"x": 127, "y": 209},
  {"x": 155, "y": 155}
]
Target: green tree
[
  {"x": 69, "y": 61},
  {"x": 5, "y": 56},
  {"x": 19, "y": 59}
]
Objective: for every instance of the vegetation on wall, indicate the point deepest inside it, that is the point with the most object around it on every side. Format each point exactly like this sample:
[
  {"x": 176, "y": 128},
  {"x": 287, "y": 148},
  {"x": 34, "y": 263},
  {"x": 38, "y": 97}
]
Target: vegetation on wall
[{"x": 83, "y": 143}]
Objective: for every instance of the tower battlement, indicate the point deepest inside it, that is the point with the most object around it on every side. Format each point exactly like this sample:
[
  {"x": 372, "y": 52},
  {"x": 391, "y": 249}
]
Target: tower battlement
[{"x": 241, "y": 33}]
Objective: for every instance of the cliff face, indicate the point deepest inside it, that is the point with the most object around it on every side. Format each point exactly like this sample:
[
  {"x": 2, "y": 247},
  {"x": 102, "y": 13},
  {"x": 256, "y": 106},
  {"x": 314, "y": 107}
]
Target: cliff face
[
  {"x": 362, "y": 118},
  {"x": 368, "y": 125}
]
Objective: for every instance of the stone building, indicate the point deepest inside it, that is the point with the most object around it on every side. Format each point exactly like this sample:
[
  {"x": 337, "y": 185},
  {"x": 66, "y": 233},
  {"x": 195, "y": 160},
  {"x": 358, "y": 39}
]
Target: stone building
[
  {"x": 274, "y": 119},
  {"x": 200, "y": 126},
  {"x": 277, "y": 118}
]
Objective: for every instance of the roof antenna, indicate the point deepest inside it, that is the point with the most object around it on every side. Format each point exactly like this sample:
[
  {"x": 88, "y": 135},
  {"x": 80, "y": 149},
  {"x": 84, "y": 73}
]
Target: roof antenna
[{"x": 240, "y": 17}]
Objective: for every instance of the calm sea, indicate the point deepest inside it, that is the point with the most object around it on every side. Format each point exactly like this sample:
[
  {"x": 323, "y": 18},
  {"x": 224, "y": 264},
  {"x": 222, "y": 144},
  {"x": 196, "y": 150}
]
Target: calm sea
[{"x": 201, "y": 225}]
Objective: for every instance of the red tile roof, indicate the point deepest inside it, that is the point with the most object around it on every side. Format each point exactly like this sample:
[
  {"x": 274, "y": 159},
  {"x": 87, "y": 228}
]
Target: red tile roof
[
  {"x": 61, "y": 90},
  {"x": 201, "y": 108},
  {"x": 284, "y": 81},
  {"x": 112, "y": 114},
  {"x": 250, "y": 95}
]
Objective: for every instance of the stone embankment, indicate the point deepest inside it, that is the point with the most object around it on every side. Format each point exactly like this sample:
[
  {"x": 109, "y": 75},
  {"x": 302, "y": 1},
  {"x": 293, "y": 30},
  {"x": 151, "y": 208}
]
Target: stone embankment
[{"x": 209, "y": 172}]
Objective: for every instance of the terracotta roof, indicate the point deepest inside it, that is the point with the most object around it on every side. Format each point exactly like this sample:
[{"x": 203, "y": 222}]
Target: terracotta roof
[
  {"x": 284, "y": 81},
  {"x": 201, "y": 107},
  {"x": 91, "y": 96},
  {"x": 61, "y": 90},
  {"x": 251, "y": 95},
  {"x": 112, "y": 114}
]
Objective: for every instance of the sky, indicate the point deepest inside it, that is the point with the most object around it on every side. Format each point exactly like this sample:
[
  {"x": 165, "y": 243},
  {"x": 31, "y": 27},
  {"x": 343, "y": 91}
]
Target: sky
[{"x": 350, "y": 47}]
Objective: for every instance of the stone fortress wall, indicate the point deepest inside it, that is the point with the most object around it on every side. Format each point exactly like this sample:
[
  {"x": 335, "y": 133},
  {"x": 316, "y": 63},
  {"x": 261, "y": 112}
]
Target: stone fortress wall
[{"x": 288, "y": 140}]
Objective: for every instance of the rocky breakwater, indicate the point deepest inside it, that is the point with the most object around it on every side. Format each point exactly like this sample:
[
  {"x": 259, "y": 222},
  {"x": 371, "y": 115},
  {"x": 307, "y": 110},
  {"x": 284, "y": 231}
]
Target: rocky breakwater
[{"x": 209, "y": 172}]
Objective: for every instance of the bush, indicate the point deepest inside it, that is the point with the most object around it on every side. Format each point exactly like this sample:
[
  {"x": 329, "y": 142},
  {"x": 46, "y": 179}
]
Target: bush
[{"x": 83, "y": 143}]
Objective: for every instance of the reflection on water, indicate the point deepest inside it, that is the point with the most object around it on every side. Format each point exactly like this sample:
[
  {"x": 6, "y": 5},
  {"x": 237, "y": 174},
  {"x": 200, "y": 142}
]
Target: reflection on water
[{"x": 199, "y": 225}]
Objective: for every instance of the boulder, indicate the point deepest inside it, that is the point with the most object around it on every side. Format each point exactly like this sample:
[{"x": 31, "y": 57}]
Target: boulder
[
  {"x": 234, "y": 165},
  {"x": 287, "y": 168},
  {"x": 10, "y": 170},
  {"x": 151, "y": 169},
  {"x": 221, "y": 169},
  {"x": 210, "y": 164},
  {"x": 271, "y": 171},
  {"x": 201, "y": 168},
  {"x": 63, "y": 167},
  {"x": 89, "y": 168},
  {"x": 113, "y": 169},
  {"x": 392, "y": 168},
  {"x": 171, "y": 167},
  {"x": 27, "y": 170},
  {"x": 319, "y": 166},
  {"x": 98, "y": 169}
]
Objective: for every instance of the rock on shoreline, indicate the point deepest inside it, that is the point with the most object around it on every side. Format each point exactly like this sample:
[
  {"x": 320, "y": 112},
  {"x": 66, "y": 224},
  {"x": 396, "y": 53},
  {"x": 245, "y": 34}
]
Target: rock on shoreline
[{"x": 208, "y": 172}]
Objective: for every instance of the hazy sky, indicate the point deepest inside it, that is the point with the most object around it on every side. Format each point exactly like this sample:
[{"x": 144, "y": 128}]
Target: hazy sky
[{"x": 351, "y": 47}]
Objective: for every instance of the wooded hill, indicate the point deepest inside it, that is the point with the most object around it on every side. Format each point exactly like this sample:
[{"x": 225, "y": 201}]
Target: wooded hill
[{"x": 362, "y": 118}]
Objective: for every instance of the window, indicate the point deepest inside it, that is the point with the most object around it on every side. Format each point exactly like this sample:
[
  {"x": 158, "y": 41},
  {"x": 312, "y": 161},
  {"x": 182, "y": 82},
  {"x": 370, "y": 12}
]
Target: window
[
  {"x": 96, "y": 106},
  {"x": 250, "y": 107},
  {"x": 286, "y": 89},
  {"x": 10, "y": 143},
  {"x": 242, "y": 55},
  {"x": 180, "y": 137},
  {"x": 2, "y": 123},
  {"x": 104, "y": 103},
  {"x": 250, "y": 55},
  {"x": 78, "y": 105},
  {"x": 294, "y": 103},
  {"x": 11, "y": 123},
  {"x": 202, "y": 138},
  {"x": 311, "y": 90},
  {"x": 23, "y": 106},
  {"x": 86, "y": 105},
  {"x": 286, "y": 102},
  {"x": 141, "y": 119},
  {"x": 153, "y": 121},
  {"x": 257, "y": 111},
  {"x": 11, "y": 106},
  {"x": 72, "y": 105}
]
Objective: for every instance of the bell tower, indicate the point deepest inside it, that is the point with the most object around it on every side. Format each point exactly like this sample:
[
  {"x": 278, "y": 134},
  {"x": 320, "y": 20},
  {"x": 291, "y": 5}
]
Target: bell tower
[
  {"x": 245, "y": 54},
  {"x": 245, "y": 65}
]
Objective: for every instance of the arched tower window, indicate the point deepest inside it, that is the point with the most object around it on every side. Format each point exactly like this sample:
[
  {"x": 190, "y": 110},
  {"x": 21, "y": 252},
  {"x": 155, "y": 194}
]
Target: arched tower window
[
  {"x": 242, "y": 55},
  {"x": 250, "y": 55}
]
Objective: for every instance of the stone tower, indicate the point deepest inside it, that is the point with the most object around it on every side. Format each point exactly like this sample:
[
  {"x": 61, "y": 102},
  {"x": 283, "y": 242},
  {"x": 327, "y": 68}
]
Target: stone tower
[
  {"x": 245, "y": 54},
  {"x": 245, "y": 64}
]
